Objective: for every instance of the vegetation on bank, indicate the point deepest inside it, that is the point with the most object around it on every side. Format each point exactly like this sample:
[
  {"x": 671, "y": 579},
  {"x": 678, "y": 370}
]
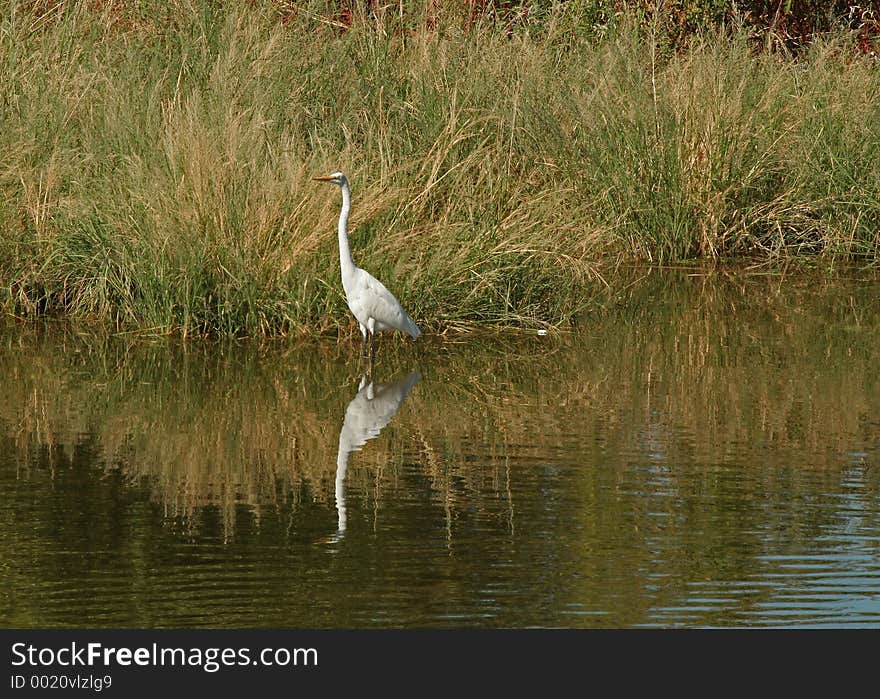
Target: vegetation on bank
[{"x": 156, "y": 157}]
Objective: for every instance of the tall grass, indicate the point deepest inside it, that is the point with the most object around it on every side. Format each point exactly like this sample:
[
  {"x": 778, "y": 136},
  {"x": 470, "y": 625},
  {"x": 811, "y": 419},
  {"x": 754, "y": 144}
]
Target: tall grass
[{"x": 156, "y": 162}]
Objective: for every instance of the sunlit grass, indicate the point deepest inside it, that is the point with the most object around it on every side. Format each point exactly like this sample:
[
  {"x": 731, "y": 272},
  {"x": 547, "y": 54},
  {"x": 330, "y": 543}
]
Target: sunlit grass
[{"x": 156, "y": 165}]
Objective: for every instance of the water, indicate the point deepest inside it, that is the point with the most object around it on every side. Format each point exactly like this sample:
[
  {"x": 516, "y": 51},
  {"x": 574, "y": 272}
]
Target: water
[{"x": 704, "y": 450}]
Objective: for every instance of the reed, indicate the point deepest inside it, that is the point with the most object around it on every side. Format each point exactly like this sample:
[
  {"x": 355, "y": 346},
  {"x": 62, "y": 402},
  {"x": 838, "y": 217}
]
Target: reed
[{"x": 157, "y": 161}]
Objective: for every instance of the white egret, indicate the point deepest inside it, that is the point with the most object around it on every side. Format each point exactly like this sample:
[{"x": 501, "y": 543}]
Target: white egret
[{"x": 375, "y": 308}]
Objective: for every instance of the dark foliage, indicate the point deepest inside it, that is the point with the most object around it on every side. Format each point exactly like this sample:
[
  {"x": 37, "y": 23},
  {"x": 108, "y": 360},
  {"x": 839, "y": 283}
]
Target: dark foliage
[{"x": 788, "y": 25}]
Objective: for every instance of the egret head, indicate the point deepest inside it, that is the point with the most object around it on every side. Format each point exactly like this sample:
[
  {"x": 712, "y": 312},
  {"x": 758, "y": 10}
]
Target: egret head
[{"x": 335, "y": 178}]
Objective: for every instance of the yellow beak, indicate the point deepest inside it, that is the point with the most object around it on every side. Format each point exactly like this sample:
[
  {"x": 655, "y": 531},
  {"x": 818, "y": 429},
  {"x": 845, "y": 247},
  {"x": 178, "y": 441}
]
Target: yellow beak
[{"x": 323, "y": 179}]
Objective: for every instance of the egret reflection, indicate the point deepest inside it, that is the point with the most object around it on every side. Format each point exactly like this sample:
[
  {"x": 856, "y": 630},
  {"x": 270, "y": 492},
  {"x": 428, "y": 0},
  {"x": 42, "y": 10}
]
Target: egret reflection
[{"x": 372, "y": 408}]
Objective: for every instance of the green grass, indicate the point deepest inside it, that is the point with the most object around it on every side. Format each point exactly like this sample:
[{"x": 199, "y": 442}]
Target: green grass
[{"x": 156, "y": 164}]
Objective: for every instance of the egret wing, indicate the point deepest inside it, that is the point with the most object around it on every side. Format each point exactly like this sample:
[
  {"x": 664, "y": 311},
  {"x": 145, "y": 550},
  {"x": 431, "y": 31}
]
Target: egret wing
[{"x": 383, "y": 306}]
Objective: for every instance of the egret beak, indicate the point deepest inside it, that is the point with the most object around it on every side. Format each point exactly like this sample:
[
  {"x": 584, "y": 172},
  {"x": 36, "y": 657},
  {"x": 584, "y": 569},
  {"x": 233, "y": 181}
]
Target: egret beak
[{"x": 324, "y": 179}]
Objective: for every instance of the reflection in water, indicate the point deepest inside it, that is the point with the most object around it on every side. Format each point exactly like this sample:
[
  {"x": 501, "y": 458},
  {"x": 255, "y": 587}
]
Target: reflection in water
[
  {"x": 372, "y": 408},
  {"x": 703, "y": 451}
]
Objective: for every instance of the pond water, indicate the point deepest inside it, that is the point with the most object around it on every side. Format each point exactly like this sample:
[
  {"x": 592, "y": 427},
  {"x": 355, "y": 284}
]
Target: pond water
[{"x": 703, "y": 450}]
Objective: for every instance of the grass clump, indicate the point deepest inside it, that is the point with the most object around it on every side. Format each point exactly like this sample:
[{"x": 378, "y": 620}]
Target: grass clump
[{"x": 157, "y": 161}]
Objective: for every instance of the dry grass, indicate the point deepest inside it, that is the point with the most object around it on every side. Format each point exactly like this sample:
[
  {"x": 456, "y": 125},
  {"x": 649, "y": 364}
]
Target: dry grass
[{"x": 157, "y": 164}]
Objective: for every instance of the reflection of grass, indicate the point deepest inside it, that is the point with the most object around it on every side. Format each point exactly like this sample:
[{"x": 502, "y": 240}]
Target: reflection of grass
[
  {"x": 205, "y": 425},
  {"x": 156, "y": 166},
  {"x": 711, "y": 370},
  {"x": 693, "y": 428}
]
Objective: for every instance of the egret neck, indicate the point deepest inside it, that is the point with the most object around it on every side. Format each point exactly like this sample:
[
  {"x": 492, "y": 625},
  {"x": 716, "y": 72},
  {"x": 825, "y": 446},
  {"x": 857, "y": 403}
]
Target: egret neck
[{"x": 346, "y": 264}]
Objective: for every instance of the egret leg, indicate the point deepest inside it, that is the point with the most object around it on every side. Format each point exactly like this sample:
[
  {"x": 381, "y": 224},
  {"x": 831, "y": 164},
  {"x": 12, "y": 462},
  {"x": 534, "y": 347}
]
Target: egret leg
[
  {"x": 364, "y": 342},
  {"x": 371, "y": 326},
  {"x": 368, "y": 362}
]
